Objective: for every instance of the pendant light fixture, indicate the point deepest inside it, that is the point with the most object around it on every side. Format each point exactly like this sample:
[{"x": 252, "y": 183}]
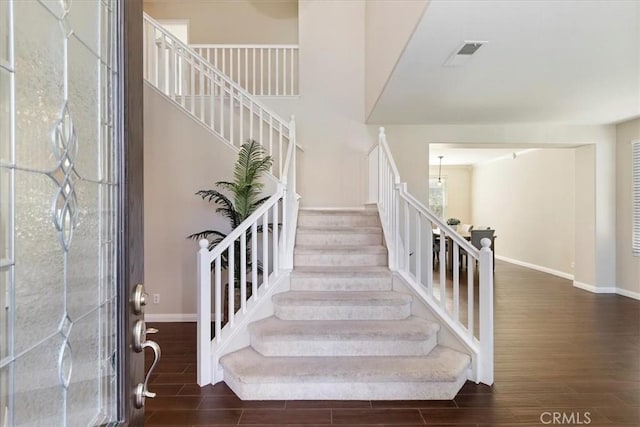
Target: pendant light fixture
[{"x": 440, "y": 171}]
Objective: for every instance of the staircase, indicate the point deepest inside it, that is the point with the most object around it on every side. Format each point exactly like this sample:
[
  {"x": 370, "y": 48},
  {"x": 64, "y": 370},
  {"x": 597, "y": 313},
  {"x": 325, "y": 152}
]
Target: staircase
[{"x": 342, "y": 332}]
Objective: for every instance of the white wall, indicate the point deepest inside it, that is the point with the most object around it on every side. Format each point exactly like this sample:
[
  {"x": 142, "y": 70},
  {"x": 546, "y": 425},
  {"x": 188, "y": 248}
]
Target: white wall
[
  {"x": 389, "y": 25},
  {"x": 180, "y": 157},
  {"x": 232, "y": 21},
  {"x": 458, "y": 191},
  {"x": 529, "y": 201},
  {"x": 332, "y": 170},
  {"x": 627, "y": 266},
  {"x": 585, "y": 217}
]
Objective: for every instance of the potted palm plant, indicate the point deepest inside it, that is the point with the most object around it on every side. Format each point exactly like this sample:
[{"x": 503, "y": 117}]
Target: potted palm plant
[{"x": 241, "y": 200}]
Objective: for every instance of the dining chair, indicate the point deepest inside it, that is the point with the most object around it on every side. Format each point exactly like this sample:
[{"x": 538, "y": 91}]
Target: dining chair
[
  {"x": 465, "y": 228},
  {"x": 476, "y": 241}
]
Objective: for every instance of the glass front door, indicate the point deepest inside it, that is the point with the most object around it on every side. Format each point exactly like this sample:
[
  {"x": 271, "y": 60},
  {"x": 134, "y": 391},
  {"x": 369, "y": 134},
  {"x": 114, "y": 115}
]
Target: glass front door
[{"x": 59, "y": 214}]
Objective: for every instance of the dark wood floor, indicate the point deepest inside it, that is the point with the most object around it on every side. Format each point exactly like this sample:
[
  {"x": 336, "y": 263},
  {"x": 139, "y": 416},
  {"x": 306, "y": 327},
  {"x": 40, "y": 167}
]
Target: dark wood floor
[{"x": 558, "y": 350}]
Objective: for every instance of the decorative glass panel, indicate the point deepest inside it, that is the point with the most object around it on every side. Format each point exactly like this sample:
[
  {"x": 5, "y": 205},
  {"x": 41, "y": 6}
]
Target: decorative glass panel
[
  {"x": 4, "y": 36},
  {"x": 84, "y": 88},
  {"x": 39, "y": 83},
  {"x": 4, "y": 313},
  {"x": 84, "y": 388},
  {"x": 39, "y": 265},
  {"x": 38, "y": 398},
  {"x": 57, "y": 283},
  {"x": 83, "y": 258},
  {"x": 5, "y": 116},
  {"x": 5, "y": 216},
  {"x": 84, "y": 19}
]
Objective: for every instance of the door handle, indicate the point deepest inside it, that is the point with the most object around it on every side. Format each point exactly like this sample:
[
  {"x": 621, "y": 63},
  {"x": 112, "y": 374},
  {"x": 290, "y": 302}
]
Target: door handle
[
  {"x": 140, "y": 342},
  {"x": 141, "y": 391}
]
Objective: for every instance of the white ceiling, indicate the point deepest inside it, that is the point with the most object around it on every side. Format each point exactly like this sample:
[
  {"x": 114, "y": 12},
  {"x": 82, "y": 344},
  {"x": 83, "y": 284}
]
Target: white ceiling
[
  {"x": 467, "y": 155},
  {"x": 553, "y": 61}
]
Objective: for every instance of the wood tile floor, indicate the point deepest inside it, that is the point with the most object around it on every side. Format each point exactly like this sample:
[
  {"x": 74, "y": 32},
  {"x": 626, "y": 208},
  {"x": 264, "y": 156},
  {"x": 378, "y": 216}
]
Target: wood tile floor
[{"x": 558, "y": 350}]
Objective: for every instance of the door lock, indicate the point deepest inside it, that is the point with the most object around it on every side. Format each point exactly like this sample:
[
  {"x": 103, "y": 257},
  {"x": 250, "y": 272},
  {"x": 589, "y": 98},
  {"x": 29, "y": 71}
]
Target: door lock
[{"x": 139, "y": 299}]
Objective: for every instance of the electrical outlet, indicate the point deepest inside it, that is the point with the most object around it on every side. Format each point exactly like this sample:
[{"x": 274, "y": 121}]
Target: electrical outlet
[
  {"x": 156, "y": 298},
  {"x": 573, "y": 264}
]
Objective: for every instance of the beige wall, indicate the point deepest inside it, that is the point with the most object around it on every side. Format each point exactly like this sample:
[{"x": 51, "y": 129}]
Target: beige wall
[
  {"x": 332, "y": 170},
  {"x": 180, "y": 158},
  {"x": 529, "y": 201},
  {"x": 232, "y": 21},
  {"x": 585, "y": 216},
  {"x": 458, "y": 191},
  {"x": 389, "y": 25},
  {"x": 627, "y": 266}
]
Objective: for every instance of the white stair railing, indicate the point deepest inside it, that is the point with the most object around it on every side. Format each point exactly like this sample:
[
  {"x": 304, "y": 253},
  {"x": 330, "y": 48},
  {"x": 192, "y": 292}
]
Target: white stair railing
[
  {"x": 408, "y": 228},
  {"x": 261, "y": 69},
  {"x": 210, "y": 96},
  {"x": 269, "y": 230},
  {"x": 260, "y": 250}
]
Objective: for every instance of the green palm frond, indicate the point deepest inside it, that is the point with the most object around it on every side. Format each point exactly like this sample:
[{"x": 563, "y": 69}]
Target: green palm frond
[{"x": 244, "y": 198}]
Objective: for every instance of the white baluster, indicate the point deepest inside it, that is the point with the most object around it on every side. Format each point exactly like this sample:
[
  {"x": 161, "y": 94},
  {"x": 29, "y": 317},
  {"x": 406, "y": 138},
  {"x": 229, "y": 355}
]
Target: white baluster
[
  {"x": 201, "y": 91},
  {"x": 291, "y": 74},
  {"x": 276, "y": 258},
  {"x": 407, "y": 238},
  {"x": 218, "y": 298},
  {"x": 253, "y": 75},
  {"x": 280, "y": 158},
  {"x": 269, "y": 72},
  {"x": 241, "y": 123},
  {"x": 277, "y": 72},
  {"x": 418, "y": 248},
  {"x": 261, "y": 71},
  {"x": 243, "y": 272},
  {"x": 444, "y": 241},
  {"x": 456, "y": 278},
  {"x": 429, "y": 259},
  {"x": 470, "y": 291},
  {"x": 231, "y": 115},
  {"x": 254, "y": 259},
  {"x": 265, "y": 250},
  {"x": 231, "y": 290}
]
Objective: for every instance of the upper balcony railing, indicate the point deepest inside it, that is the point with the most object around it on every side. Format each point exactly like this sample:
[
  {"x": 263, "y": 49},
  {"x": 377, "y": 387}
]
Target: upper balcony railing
[{"x": 262, "y": 70}]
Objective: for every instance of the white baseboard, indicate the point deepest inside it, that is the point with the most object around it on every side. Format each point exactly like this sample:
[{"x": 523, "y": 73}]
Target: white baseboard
[
  {"x": 628, "y": 294},
  {"x": 606, "y": 290},
  {"x": 594, "y": 289},
  {"x": 171, "y": 317},
  {"x": 536, "y": 267},
  {"x": 331, "y": 209}
]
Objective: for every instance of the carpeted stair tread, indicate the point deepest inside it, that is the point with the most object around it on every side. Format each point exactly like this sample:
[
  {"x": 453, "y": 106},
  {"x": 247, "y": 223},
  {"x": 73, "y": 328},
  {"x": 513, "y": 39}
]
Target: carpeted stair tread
[
  {"x": 412, "y": 328},
  {"x": 250, "y": 367},
  {"x": 341, "y": 298}
]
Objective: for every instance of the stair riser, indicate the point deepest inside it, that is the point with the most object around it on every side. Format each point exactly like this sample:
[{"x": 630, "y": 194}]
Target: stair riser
[
  {"x": 347, "y": 347},
  {"x": 378, "y": 312},
  {"x": 320, "y": 221},
  {"x": 340, "y": 259},
  {"x": 311, "y": 390},
  {"x": 334, "y": 239},
  {"x": 341, "y": 284}
]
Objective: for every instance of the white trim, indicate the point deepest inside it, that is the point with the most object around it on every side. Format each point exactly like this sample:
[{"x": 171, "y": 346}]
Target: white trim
[
  {"x": 334, "y": 209},
  {"x": 594, "y": 289},
  {"x": 171, "y": 317},
  {"x": 547, "y": 270},
  {"x": 628, "y": 294}
]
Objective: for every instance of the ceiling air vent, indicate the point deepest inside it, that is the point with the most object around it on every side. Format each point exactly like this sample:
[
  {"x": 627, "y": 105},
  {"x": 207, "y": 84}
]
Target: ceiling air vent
[{"x": 463, "y": 53}]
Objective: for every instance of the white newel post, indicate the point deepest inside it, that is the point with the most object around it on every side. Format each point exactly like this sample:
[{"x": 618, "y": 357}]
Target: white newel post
[
  {"x": 204, "y": 314},
  {"x": 485, "y": 374}
]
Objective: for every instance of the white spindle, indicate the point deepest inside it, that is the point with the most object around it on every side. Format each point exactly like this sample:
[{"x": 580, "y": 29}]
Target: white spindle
[
  {"x": 172, "y": 71},
  {"x": 231, "y": 277},
  {"x": 218, "y": 297},
  {"x": 418, "y": 257},
  {"x": 254, "y": 259},
  {"x": 271, "y": 141},
  {"x": 269, "y": 72},
  {"x": 243, "y": 272},
  {"x": 291, "y": 75},
  {"x": 444, "y": 241},
  {"x": 231, "y": 65},
  {"x": 277, "y": 92},
  {"x": 470, "y": 292},
  {"x": 250, "y": 119},
  {"x": 407, "y": 237},
  {"x": 162, "y": 64},
  {"x": 192, "y": 85},
  {"x": 280, "y": 158},
  {"x": 204, "y": 313},
  {"x": 231, "y": 115},
  {"x": 253, "y": 72},
  {"x": 239, "y": 67},
  {"x": 241, "y": 122},
  {"x": 261, "y": 71},
  {"x": 201, "y": 91},
  {"x": 221, "y": 87},
  {"x": 284, "y": 71},
  {"x": 265, "y": 249},
  {"x": 246, "y": 69},
  {"x": 212, "y": 102},
  {"x": 276, "y": 258},
  {"x": 429, "y": 259},
  {"x": 456, "y": 278},
  {"x": 261, "y": 126}
]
